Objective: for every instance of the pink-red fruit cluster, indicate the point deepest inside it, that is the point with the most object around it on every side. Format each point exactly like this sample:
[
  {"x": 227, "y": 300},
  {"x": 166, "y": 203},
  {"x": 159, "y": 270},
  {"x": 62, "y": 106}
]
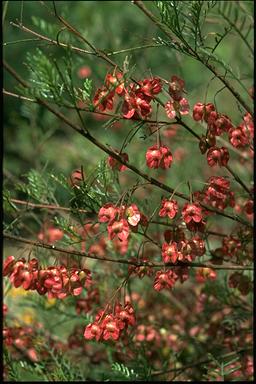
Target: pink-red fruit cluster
[
  {"x": 57, "y": 281},
  {"x": 109, "y": 326}
]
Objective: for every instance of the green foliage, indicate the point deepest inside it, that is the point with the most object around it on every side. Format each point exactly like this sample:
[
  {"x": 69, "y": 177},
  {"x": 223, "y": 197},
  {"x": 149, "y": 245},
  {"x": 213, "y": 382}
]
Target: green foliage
[
  {"x": 61, "y": 180},
  {"x": 38, "y": 187},
  {"x": 67, "y": 226},
  {"x": 52, "y": 79},
  {"x": 8, "y": 206},
  {"x": 49, "y": 29},
  {"x": 100, "y": 187},
  {"x": 186, "y": 20},
  {"x": 87, "y": 90},
  {"x": 57, "y": 368},
  {"x": 221, "y": 368},
  {"x": 64, "y": 369},
  {"x": 124, "y": 372},
  {"x": 208, "y": 55},
  {"x": 238, "y": 18},
  {"x": 44, "y": 77},
  {"x": 28, "y": 126}
]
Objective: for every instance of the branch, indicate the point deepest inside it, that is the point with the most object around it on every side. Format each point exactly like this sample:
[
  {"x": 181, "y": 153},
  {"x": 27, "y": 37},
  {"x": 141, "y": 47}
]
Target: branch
[
  {"x": 105, "y": 57},
  {"x": 206, "y": 361},
  {"x": 133, "y": 49},
  {"x": 47, "y": 206},
  {"x": 173, "y": 225},
  {"x": 7, "y": 93},
  {"x": 15, "y": 74},
  {"x": 74, "y": 252},
  {"x": 51, "y": 41},
  {"x": 233, "y": 25},
  {"x": 163, "y": 28},
  {"x": 104, "y": 148},
  {"x": 178, "y": 121},
  {"x": 59, "y": 208},
  {"x": 96, "y": 51},
  {"x": 237, "y": 178},
  {"x": 85, "y": 109}
]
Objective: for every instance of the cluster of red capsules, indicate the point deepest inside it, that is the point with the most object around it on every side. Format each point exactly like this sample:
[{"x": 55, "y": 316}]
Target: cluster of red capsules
[
  {"x": 137, "y": 99},
  {"x": 121, "y": 220},
  {"x": 137, "y": 96},
  {"x": 217, "y": 125},
  {"x": 177, "y": 248},
  {"x": 109, "y": 326},
  {"x": 56, "y": 281},
  {"x": 216, "y": 193}
]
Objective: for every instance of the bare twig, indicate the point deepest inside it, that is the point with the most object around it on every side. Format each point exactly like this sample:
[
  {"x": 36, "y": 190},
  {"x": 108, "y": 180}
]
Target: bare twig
[
  {"x": 7, "y": 93},
  {"x": 73, "y": 252},
  {"x": 48, "y": 206},
  {"x": 51, "y": 41},
  {"x": 237, "y": 178},
  {"x": 173, "y": 225}
]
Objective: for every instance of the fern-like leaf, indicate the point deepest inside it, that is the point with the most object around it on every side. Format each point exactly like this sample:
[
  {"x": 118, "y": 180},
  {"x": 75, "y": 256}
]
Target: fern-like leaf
[
  {"x": 238, "y": 19},
  {"x": 126, "y": 372},
  {"x": 45, "y": 79}
]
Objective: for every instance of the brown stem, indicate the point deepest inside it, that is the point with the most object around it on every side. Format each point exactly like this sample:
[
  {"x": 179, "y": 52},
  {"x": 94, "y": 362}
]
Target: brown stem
[
  {"x": 96, "y": 51},
  {"x": 85, "y": 109},
  {"x": 104, "y": 148},
  {"x": 149, "y": 238},
  {"x": 201, "y": 362},
  {"x": 7, "y": 93},
  {"x": 51, "y": 41},
  {"x": 15, "y": 74},
  {"x": 163, "y": 28},
  {"x": 180, "y": 122},
  {"x": 121, "y": 261},
  {"x": 237, "y": 178},
  {"x": 105, "y": 57},
  {"x": 47, "y": 206},
  {"x": 173, "y": 225}
]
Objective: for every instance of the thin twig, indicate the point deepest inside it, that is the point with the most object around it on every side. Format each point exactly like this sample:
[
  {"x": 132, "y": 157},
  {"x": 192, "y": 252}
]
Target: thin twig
[
  {"x": 18, "y": 96},
  {"x": 116, "y": 156},
  {"x": 66, "y": 209},
  {"x": 163, "y": 28},
  {"x": 206, "y": 361},
  {"x": 19, "y": 41},
  {"x": 85, "y": 109},
  {"x": 51, "y": 41},
  {"x": 105, "y": 57},
  {"x": 48, "y": 206},
  {"x": 74, "y": 252},
  {"x": 237, "y": 178},
  {"x": 133, "y": 49},
  {"x": 173, "y": 225}
]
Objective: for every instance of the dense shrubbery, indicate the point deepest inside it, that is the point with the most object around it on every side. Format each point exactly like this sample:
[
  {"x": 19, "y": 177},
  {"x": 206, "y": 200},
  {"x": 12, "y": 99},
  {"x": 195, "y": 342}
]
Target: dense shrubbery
[{"x": 128, "y": 192}]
